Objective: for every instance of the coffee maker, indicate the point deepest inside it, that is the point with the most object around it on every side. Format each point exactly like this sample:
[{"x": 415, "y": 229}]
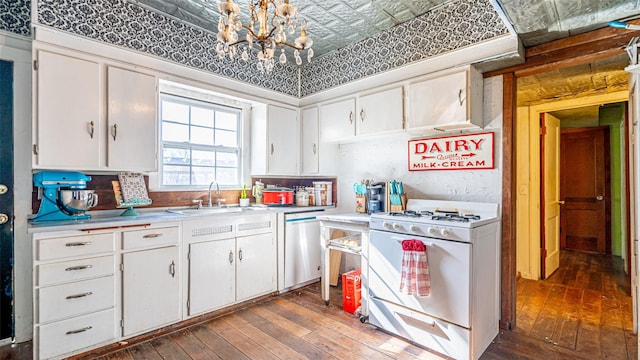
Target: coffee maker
[
  {"x": 375, "y": 197},
  {"x": 63, "y": 196}
]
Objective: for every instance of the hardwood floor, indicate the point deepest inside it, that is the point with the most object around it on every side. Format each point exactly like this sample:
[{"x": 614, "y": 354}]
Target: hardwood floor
[
  {"x": 581, "y": 312},
  {"x": 584, "y": 307}
]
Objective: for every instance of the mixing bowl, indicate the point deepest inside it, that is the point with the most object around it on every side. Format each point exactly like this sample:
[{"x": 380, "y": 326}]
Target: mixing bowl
[{"x": 77, "y": 201}]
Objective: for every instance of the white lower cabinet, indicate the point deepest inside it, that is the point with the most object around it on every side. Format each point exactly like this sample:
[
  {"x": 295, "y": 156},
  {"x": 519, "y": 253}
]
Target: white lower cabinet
[
  {"x": 74, "y": 292},
  {"x": 211, "y": 263},
  {"x": 150, "y": 289},
  {"x": 255, "y": 272},
  {"x": 93, "y": 287},
  {"x": 231, "y": 259}
]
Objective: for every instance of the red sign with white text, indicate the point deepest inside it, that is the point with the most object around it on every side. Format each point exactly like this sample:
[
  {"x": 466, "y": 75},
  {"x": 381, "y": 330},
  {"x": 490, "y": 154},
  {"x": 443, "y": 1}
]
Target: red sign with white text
[{"x": 463, "y": 152}]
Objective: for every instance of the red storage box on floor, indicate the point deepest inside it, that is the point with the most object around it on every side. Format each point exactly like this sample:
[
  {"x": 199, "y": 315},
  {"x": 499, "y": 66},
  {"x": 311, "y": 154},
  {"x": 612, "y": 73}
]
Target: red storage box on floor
[{"x": 351, "y": 291}]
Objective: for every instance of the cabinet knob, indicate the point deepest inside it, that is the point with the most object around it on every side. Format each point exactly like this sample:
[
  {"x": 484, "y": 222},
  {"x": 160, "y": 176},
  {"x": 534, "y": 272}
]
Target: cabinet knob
[
  {"x": 230, "y": 257},
  {"x": 77, "y": 331},
  {"x": 351, "y": 117},
  {"x": 114, "y": 131},
  {"x": 362, "y": 115},
  {"x": 315, "y": 149},
  {"x": 92, "y": 127},
  {"x": 460, "y": 97},
  {"x": 4, "y": 218},
  {"x": 240, "y": 254},
  {"x": 172, "y": 269},
  {"x": 272, "y": 149},
  {"x": 4, "y": 188}
]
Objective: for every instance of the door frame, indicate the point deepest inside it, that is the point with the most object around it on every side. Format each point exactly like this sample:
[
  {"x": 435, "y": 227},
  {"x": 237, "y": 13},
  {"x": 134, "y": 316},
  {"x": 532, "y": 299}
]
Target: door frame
[{"x": 528, "y": 179}]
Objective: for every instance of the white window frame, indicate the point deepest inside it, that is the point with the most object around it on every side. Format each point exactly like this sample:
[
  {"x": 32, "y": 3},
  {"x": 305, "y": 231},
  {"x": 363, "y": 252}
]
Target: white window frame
[{"x": 238, "y": 150}]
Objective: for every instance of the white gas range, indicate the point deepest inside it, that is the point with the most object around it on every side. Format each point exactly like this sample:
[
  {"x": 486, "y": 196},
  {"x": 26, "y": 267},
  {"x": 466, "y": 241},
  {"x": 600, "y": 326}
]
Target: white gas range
[{"x": 460, "y": 316}]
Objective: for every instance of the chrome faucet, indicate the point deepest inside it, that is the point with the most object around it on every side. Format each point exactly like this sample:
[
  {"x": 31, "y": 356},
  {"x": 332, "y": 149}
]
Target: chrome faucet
[{"x": 217, "y": 192}]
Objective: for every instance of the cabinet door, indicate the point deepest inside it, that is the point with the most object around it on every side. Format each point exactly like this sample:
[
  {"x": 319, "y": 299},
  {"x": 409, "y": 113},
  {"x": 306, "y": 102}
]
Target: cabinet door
[
  {"x": 380, "y": 112},
  {"x": 256, "y": 268},
  {"x": 150, "y": 289},
  {"x": 211, "y": 275},
  {"x": 283, "y": 141},
  {"x": 337, "y": 120},
  {"x": 309, "y": 145},
  {"x": 69, "y": 109},
  {"x": 439, "y": 101},
  {"x": 132, "y": 135}
]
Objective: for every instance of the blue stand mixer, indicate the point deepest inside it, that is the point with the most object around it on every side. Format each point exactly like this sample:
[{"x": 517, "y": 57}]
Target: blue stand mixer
[{"x": 63, "y": 195}]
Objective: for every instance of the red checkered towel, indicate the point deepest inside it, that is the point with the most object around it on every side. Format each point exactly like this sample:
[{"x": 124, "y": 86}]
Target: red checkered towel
[{"x": 415, "y": 277}]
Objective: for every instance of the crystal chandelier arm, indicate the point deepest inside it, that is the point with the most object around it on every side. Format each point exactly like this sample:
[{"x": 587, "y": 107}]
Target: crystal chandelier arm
[{"x": 291, "y": 45}]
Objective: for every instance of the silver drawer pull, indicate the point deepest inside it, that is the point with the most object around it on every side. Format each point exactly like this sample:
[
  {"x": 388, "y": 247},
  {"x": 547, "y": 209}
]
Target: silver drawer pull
[
  {"x": 77, "y": 331},
  {"x": 84, "y": 243},
  {"x": 151, "y": 236},
  {"x": 77, "y": 296},
  {"x": 81, "y": 267}
]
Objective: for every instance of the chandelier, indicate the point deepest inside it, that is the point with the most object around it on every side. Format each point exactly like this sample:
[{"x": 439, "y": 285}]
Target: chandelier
[{"x": 268, "y": 32}]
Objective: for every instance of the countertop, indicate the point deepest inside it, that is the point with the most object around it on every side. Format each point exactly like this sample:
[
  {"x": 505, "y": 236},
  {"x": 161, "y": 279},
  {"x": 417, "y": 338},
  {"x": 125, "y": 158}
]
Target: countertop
[
  {"x": 112, "y": 218},
  {"x": 352, "y": 218}
]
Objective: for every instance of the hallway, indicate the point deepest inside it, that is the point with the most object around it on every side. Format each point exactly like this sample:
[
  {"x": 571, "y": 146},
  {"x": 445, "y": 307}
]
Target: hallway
[{"x": 585, "y": 306}]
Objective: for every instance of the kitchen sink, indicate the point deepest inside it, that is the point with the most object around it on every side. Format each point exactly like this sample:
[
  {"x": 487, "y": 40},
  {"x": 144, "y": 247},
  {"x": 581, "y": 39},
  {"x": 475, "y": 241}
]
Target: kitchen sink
[{"x": 217, "y": 210}]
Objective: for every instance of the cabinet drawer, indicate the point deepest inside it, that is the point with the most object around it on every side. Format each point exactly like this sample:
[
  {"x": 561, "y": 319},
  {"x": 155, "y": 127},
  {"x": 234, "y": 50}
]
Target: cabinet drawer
[
  {"x": 149, "y": 238},
  {"x": 48, "y": 249},
  {"x": 62, "y": 272},
  {"x": 63, "y": 301},
  {"x": 74, "y": 334}
]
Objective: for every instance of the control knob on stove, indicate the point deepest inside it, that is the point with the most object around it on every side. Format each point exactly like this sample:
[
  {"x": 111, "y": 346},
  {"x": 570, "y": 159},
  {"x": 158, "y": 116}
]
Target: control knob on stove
[
  {"x": 432, "y": 231},
  {"x": 414, "y": 228},
  {"x": 386, "y": 225},
  {"x": 445, "y": 232},
  {"x": 396, "y": 226}
]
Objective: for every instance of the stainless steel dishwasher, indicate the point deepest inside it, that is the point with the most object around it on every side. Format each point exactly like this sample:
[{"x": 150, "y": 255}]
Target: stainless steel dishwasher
[{"x": 302, "y": 253}]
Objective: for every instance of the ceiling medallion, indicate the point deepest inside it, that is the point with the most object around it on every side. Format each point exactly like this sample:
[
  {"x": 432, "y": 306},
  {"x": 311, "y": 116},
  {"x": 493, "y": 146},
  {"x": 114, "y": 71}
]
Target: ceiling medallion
[{"x": 267, "y": 31}]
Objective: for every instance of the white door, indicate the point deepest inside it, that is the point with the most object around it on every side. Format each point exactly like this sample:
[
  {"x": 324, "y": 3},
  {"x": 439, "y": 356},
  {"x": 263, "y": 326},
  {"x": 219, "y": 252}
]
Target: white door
[
  {"x": 380, "y": 112},
  {"x": 256, "y": 267},
  {"x": 69, "y": 112},
  {"x": 309, "y": 146},
  {"x": 551, "y": 190},
  {"x": 634, "y": 192},
  {"x": 150, "y": 289},
  {"x": 283, "y": 141},
  {"x": 131, "y": 118},
  {"x": 337, "y": 120},
  {"x": 211, "y": 275}
]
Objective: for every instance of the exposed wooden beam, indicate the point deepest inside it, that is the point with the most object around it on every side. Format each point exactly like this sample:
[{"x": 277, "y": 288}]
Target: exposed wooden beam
[
  {"x": 508, "y": 259},
  {"x": 573, "y": 50}
]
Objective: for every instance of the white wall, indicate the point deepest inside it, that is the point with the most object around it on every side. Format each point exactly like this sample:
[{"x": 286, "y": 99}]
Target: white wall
[{"x": 386, "y": 158}]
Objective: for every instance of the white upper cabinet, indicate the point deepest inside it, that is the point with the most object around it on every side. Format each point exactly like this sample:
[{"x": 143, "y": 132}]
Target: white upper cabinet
[
  {"x": 68, "y": 112},
  {"x": 448, "y": 102},
  {"x": 380, "y": 112},
  {"x": 309, "y": 146},
  {"x": 132, "y": 103},
  {"x": 274, "y": 140},
  {"x": 337, "y": 120},
  {"x": 90, "y": 116}
]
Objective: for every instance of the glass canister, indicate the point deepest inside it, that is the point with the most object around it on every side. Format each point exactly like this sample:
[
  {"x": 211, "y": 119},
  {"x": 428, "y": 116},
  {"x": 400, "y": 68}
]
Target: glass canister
[
  {"x": 311, "y": 194},
  {"x": 302, "y": 197}
]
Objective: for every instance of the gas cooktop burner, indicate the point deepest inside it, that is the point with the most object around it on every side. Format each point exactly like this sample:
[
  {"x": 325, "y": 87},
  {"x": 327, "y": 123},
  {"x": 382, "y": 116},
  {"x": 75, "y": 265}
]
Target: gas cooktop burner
[{"x": 437, "y": 215}]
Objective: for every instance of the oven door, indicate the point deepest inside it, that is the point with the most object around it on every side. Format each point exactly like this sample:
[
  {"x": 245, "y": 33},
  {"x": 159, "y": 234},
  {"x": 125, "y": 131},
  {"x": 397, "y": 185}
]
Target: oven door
[{"x": 449, "y": 268}]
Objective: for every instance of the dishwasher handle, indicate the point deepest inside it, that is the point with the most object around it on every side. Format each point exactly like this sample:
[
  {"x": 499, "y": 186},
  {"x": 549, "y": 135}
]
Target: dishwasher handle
[{"x": 306, "y": 219}]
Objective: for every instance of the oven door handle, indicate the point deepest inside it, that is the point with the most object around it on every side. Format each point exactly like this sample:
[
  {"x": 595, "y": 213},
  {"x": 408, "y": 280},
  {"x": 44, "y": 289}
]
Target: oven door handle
[{"x": 425, "y": 243}]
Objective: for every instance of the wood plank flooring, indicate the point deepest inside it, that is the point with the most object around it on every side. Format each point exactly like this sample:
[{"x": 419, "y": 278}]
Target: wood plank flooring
[{"x": 582, "y": 312}]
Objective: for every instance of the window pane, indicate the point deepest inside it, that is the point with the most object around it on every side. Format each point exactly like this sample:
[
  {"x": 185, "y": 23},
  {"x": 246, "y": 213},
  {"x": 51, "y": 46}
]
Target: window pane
[
  {"x": 201, "y": 116},
  {"x": 175, "y": 175},
  {"x": 226, "y": 138},
  {"x": 200, "y": 135},
  {"x": 203, "y": 158},
  {"x": 227, "y": 160},
  {"x": 202, "y": 175},
  {"x": 175, "y": 132},
  {"x": 175, "y": 156},
  {"x": 227, "y": 176},
  {"x": 175, "y": 112},
  {"x": 226, "y": 120}
]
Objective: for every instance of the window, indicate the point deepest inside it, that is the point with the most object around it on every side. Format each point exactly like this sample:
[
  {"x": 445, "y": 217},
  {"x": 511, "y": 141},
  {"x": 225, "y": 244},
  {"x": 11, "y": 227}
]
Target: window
[{"x": 200, "y": 142}]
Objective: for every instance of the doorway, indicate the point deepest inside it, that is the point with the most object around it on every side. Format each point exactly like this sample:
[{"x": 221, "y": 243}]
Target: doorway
[
  {"x": 572, "y": 306},
  {"x": 6, "y": 200}
]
